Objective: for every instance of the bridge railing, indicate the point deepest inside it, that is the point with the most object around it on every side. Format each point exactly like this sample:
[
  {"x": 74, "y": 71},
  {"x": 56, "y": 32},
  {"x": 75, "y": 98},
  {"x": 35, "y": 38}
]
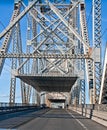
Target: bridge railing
[
  {"x": 96, "y": 112},
  {"x": 98, "y": 107},
  {"x": 101, "y": 107},
  {"x": 3, "y": 104},
  {"x": 6, "y": 108},
  {"x": 10, "y": 108}
]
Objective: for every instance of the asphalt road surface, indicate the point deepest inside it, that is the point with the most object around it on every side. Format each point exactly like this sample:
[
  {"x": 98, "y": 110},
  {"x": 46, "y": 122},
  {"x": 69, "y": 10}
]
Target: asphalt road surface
[{"x": 60, "y": 119}]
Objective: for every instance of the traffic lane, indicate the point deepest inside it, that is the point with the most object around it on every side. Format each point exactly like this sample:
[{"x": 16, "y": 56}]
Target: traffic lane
[
  {"x": 55, "y": 119},
  {"x": 88, "y": 123},
  {"x": 11, "y": 121}
]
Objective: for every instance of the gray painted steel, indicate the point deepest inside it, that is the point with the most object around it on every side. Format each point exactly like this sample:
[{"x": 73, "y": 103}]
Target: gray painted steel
[{"x": 50, "y": 83}]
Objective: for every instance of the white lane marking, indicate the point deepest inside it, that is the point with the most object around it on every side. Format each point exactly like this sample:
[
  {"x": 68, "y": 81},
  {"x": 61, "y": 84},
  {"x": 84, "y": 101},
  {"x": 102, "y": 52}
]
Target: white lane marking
[{"x": 78, "y": 121}]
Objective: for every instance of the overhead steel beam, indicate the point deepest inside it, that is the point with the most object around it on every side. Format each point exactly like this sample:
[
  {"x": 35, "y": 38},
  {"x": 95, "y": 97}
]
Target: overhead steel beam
[
  {"x": 56, "y": 11},
  {"x": 52, "y": 23},
  {"x": 50, "y": 32},
  {"x": 46, "y": 29},
  {"x": 49, "y": 56},
  {"x": 17, "y": 19}
]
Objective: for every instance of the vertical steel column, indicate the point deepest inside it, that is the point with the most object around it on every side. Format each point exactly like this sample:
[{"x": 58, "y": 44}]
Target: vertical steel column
[
  {"x": 22, "y": 84},
  {"x": 34, "y": 71},
  {"x": 8, "y": 36},
  {"x": 97, "y": 45},
  {"x": 14, "y": 66},
  {"x": 86, "y": 65},
  {"x": 28, "y": 87},
  {"x": 14, "y": 60},
  {"x": 83, "y": 92},
  {"x": 73, "y": 20}
]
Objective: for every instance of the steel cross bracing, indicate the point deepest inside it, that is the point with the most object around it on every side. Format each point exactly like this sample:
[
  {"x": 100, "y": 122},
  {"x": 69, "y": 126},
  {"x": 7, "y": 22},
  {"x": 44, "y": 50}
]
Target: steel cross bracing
[
  {"x": 7, "y": 38},
  {"x": 97, "y": 45},
  {"x": 5, "y": 47},
  {"x": 17, "y": 48},
  {"x": 19, "y": 17},
  {"x": 60, "y": 49},
  {"x": 57, "y": 43},
  {"x": 39, "y": 45}
]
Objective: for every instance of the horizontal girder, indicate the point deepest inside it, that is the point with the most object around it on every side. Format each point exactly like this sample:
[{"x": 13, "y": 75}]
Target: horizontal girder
[
  {"x": 49, "y": 56},
  {"x": 49, "y": 82}
]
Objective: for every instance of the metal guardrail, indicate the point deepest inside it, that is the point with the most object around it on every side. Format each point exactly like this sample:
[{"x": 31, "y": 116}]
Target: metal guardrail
[
  {"x": 3, "y": 104},
  {"x": 101, "y": 107},
  {"x": 96, "y": 112},
  {"x": 10, "y": 108},
  {"x": 98, "y": 107}
]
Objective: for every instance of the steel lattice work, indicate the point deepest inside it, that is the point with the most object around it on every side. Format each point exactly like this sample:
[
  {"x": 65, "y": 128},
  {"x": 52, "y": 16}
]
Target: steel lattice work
[
  {"x": 97, "y": 46},
  {"x": 57, "y": 44}
]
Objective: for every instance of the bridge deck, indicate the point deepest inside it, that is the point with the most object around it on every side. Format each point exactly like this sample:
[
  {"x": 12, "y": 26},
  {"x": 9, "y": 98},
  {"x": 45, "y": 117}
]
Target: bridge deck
[
  {"x": 50, "y": 83},
  {"x": 54, "y": 119}
]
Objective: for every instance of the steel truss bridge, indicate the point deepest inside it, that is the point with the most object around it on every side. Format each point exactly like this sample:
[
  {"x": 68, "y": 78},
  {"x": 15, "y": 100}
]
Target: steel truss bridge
[{"x": 50, "y": 51}]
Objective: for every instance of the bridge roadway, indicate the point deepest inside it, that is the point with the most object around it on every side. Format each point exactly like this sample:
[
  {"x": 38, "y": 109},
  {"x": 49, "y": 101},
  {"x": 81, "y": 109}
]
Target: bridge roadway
[{"x": 51, "y": 119}]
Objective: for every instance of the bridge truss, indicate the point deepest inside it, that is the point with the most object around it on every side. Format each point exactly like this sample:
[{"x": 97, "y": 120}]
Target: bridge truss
[{"x": 56, "y": 43}]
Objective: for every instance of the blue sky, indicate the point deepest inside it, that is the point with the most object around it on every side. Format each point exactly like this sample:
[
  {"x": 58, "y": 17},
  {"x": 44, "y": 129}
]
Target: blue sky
[{"x": 6, "y": 9}]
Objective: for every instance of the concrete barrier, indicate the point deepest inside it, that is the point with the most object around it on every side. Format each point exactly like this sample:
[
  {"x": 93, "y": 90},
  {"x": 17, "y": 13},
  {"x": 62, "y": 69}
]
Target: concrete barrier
[{"x": 90, "y": 112}]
